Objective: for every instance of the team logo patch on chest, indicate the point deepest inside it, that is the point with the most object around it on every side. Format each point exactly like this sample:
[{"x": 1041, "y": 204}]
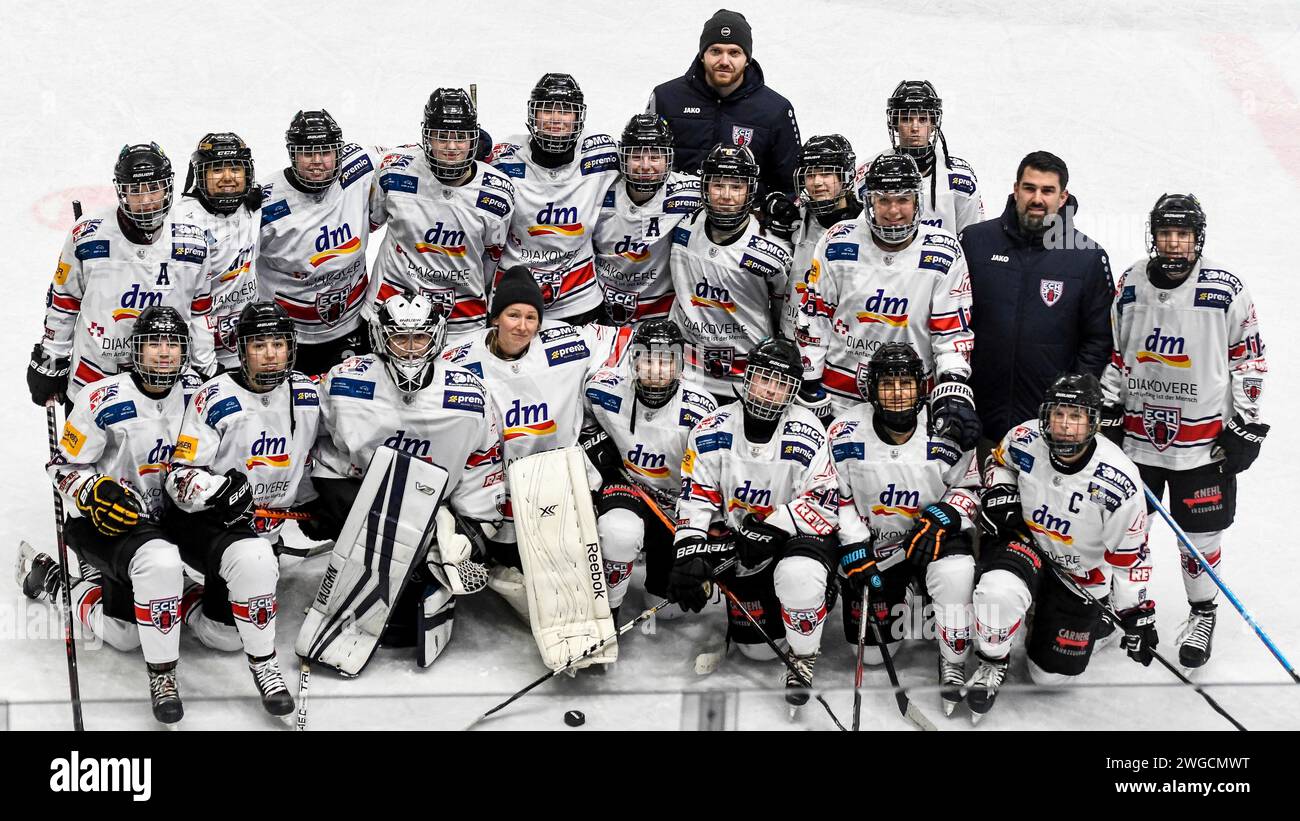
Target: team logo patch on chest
[
  {"x": 1161, "y": 424},
  {"x": 741, "y": 135},
  {"x": 1051, "y": 290}
]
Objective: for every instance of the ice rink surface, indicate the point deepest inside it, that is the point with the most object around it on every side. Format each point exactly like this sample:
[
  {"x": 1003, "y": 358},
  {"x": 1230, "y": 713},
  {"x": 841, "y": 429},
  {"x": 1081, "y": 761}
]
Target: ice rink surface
[{"x": 1138, "y": 97}]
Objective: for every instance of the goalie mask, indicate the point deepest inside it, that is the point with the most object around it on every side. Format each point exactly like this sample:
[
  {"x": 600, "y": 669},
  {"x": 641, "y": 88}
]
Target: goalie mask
[
  {"x": 656, "y": 354},
  {"x": 1070, "y": 414},
  {"x": 772, "y": 379},
  {"x": 407, "y": 333},
  {"x": 160, "y": 346},
  {"x": 895, "y": 385}
]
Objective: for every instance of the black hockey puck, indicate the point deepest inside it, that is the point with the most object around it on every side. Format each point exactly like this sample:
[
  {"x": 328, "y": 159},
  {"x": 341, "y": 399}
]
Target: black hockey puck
[{"x": 574, "y": 718}]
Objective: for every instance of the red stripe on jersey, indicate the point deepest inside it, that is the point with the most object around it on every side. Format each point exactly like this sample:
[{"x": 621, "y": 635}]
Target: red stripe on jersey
[
  {"x": 655, "y": 308},
  {"x": 87, "y": 373},
  {"x": 88, "y": 601},
  {"x": 622, "y": 338},
  {"x": 945, "y": 323},
  {"x": 1116, "y": 359},
  {"x": 310, "y": 314},
  {"x": 64, "y": 303},
  {"x": 1237, "y": 351},
  {"x": 201, "y": 305},
  {"x": 1094, "y": 577},
  {"x": 839, "y": 382},
  {"x": 386, "y": 290},
  {"x": 1187, "y": 431},
  {"x": 577, "y": 279},
  {"x": 470, "y": 307},
  {"x": 1121, "y": 559},
  {"x": 706, "y": 493}
]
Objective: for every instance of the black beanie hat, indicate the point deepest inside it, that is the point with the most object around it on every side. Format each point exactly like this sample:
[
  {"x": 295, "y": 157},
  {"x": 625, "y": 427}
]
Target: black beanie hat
[
  {"x": 728, "y": 27},
  {"x": 516, "y": 285}
]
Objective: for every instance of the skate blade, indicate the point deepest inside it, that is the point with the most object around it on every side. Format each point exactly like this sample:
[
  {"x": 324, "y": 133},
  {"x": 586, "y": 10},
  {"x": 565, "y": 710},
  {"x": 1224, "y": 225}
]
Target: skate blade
[
  {"x": 949, "y": 707},
  {"x": 976, "y": 718}
]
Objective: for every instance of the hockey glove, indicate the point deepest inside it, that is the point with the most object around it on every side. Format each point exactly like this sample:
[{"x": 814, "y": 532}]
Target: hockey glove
[
  {"x": 1240, "y": 441},
  {"x": 1140, "y": 637},
  {"x": 1112, "y": 423},
  {"x": 47, "y": 376},
  {"x": 111, "y": 508},
  {"x": 695, "y": 561},
  {"x": 952, "y": 412},
  {"x": 757, "y": 541},
  {"x": 1000, "y": 513},
  {"x": 232, "y": 503},
  {"x": 813, "y": 397},
  {"x": 858, "y": 561},
  {"x": 603, "y": 454},
  {"x": 780, "y": 215},
  {"x": 925, "y": 543}
]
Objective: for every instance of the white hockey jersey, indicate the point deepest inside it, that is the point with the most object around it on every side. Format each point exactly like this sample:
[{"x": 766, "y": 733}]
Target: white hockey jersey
[
  {"x": 724, "y": 297},
  {"x": 864, "y": 297},
  {"x": 268, "y": 437},
  {"x": 884, "y": 486},
  {"x": 103, "y": 282},
  {"x": 118, "y": 430},
  {"x": 312, "y": 257},
  {"x": 1091, "y": 522},
  {"x": 790, "y": 479},
  {"x": 956, "y": 202},
  {"x": 442, "y": 241},
  {"x": 806, "y": 235},
  {"x": 232, "y": 261},
  {"x": 452, "y": 423},
  {"x": 1185, "y": 360},
  {"x": 554, "y": 219},
  {"x": 633, "y": 244},
  {"x": 650, "y": 441}
]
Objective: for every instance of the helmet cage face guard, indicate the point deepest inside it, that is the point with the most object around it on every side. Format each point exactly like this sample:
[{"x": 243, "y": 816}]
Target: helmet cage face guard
[
  {"x": 448, "y": 170},
  {"x": 645, "y": 184},
  {"x": 148, "y": 218},
  {"x": 656, "y": 369},
  {"x": 823, "y": 206},
  {"x": 552, "y": 141},
  {"x": 727, "y": 217},
  {"x": 272, "y": 378},
  {"x": 149, "y": 375},
  {"x": 297, "y": 151},
  {"x": 896, "y": 418},
  {"x": 761, "y": 379},
  {"x": 395, "y": 333},
  {"x": 1063, "y": 447},
  {"x": 1188, "y": 218},
  {"x": 894, "y": 118},
  {"x": 221, "y": 200},
  {"x": 894, "y": 234}
]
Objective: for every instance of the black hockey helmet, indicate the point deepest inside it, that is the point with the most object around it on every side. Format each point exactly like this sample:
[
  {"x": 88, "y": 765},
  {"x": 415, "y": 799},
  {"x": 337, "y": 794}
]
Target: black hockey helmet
[
  {"x": 556, "y": 93},
  {"x": 1072, "y": 390},
  {"x": 898, "y": 359},
  {"x": 825, "y": 153},
  {"x": 729, "y": 162},
  {"x": 449, "y": 115},
  {"x": 1175, "y": 211},
  {"x": 407, "y": 333},
  {"x": 657, "y": 353},
  {"x": 892, "y": 174},
  {"x": 260, "y": 320},
  {"x": 314, "y": 132},
  {"x": 773, "y": 374},
  {"x": 159, "y": 323},
  {"x": 646, "y": 134},
  {"x": 914, "y": 97},
  {"x": 220, "y": 150},
  {"x": 145, "y": 173}
]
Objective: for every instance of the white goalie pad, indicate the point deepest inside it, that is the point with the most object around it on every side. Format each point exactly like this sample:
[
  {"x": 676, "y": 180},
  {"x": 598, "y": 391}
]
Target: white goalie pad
[
  {"x": 388, "y": 529},
  {"x": 564, "y": 573}
]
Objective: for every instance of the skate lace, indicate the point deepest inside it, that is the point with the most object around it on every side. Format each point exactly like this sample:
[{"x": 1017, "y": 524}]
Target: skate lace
[
  {"x": 804, "y": 664},
  {"x": 1197, "y": 630},
  {"x": 162, "y": 686},
  {"x": 268, "y": 677},
  {"x": 988, "y": 676},
  {"x": 951, "y": 672}
]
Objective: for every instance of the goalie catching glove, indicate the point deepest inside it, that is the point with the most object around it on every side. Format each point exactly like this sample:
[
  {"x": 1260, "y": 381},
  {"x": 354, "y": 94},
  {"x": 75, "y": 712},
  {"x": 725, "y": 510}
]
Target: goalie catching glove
[{"x": 450, "y": 559}]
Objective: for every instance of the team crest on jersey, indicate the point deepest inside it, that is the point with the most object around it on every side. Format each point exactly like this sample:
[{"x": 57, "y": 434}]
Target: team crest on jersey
[
  {"x": 1161, "y": 424},
  {"x": 1253, "y": 388},
  {"x": 85, "y": 229},
  {"x": 261, "y": 610},
  {"x": 395, "y": 160},
  {"x": 549, "y": 282},
  {"x": 164, "y": 613},
  {"x": 201, "y": 400},
  {"x": 331, "y": 305},
  {"x": 443, "y": 299},
  {"x": 101, "y": 395},
  {"x": 717, "y": 361},
  {"x": 621, "y": 305},
  {"x": 741, "y": 135},
  {"x": 1051, "y": 290}
]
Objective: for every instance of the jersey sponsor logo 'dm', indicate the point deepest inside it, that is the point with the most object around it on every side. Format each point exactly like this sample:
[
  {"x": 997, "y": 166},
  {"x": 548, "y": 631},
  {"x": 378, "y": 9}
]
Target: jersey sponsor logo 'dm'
[
  {"x": 158, "y": 458},
  {"x": 712, "y": 296},
  {"x": 884, "y": 309},
  {"x": 646, "y": 463},
  {"x": 410, "y": 445},
  {"x": 630, "y": 250},
  {"x": 268, "y": 451},
  {"x": 528, "y": 420},
  {"x": 1165, "y": 350},
  {"x": 747, "y": 497},
  {"x": 334, "y": 242},
  {"x": 135, "y": 300},
  {"x": 440, "y": 240},
  {"x": 556, "y": 220},
  {"x": 897, "y": 501},
  {"x": 1043, "y": 521}
]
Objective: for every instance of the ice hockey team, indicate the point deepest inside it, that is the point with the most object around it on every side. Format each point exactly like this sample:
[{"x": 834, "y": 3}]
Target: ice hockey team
[{"x": 769, "y": 387}]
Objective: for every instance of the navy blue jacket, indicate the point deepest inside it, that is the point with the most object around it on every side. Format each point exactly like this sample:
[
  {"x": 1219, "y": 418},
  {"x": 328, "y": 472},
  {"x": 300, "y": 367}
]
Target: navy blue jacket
[
  {"x": 752, "y": 115},
  {"x": 1041, "y": 307}
]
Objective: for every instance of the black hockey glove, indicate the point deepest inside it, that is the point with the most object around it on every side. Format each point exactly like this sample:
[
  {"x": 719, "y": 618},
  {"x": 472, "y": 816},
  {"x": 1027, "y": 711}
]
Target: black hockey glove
[
  {"x": 1112, "y": 423},
  {"x": 602, "y": 453},
  {"x": 1240, "y": 440},
  {"x": 952, "y": 412},
  {"x": 484, "y": 146},
  {"x": 1000, "y": 513},
  {"x": 1140, "y": 637},
  {"x": 695, "y": 561},
  {"x": 813, "y": 397},
  {"x": 925, "y": 543},
  {"x": 232, "y": 504},
  {"x": 111, "y": 508},
  {"x": 858, "y": 561},
  {"x": 780, "y": 215},
  {"x": 253, "y": 198},
  {"x": 757, "y": 541},
  {"x": 47, "y": 377}
]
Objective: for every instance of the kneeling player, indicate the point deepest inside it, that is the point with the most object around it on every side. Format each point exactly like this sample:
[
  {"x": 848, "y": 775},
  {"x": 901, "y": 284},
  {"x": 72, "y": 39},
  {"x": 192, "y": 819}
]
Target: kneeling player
[
  {"x": 904, "y": 490},
  {"x": 762, "y": 468},
  {"x": 244, "y": 443},
  {"x": 115, "y": 444},
  {"x": 1059, "y": 495},
  {"x": 642, "y": 420}
]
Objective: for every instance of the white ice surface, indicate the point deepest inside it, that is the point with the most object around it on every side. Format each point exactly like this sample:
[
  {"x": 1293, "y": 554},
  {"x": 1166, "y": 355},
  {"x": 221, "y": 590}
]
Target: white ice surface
[{"x": 1137, "y": 99}]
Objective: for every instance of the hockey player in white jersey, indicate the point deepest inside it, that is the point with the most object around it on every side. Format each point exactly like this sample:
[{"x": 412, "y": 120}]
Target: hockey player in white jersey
[
  {"x": 761, "y": 468},
  {"x": 950, "y": 197},
  {"x": 877, "y": 279},
  {"x": 634, "y": 232},
  {"x": 315, "y": 229},
  {"x": 406, "y": 398},
  {"x": 112, "y": 267},
  {"x": 447, "y": 216},
  {"x": 222, "y": 197},
  {"x": 640, "y": 417},
  {"x": 559, "y": 188},
  {"x": 109, "y": 467},
  {"x": 244, "y": 444},
  {"x": 1183, "y": 392},
  {"x": 1059, "y": 495},
  {"x": 729, "y": 274},
  {"x": 901, "y": 490}
]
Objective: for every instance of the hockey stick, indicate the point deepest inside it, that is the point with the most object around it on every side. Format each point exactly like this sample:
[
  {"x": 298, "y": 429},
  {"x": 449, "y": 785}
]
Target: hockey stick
[
  {"x": 1118, "y": 623},
  {"x": 272, "y": 513},
  {"x": 1245, "y": 614},
  {"x": 857, "y": 673},
  {"x": 731, "y": 597},
  {"x": 905, "y": 705},
  {"x": 595, "y": 648},
  {"x": 304, "y": 678}
]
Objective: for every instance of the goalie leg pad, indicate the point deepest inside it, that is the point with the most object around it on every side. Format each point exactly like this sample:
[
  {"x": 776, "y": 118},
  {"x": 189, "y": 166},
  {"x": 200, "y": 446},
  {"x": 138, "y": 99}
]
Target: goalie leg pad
[
  {"x": 564, "y": 572},
  {"x": 387, "y": 531}
]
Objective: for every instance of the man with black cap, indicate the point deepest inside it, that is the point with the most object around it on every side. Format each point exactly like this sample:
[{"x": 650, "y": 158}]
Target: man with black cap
[{"x": 722, "y": 98}]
